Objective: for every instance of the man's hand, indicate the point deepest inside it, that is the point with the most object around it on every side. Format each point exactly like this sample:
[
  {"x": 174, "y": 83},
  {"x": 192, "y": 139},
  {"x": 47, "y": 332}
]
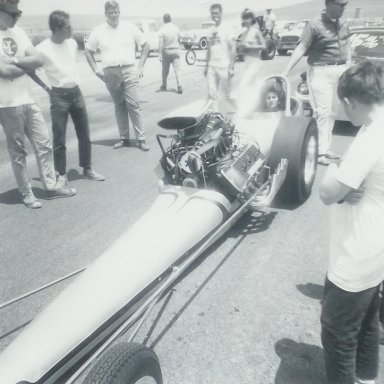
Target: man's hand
[
  {"x": 140, "y": 71},
  {"x": 354, "y": 195},
  {"x": 100, "y": 74}
]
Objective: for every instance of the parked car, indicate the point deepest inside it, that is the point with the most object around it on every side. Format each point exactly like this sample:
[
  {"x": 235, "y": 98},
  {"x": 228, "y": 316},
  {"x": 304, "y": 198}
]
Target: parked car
[
  {"x": 150, "y": 29},
  {"x": 196, "y": 37},
  {"x": 366, "y": 43},
  {"x": 290, "y": 39},
  {"x": 284, "y": 25}
]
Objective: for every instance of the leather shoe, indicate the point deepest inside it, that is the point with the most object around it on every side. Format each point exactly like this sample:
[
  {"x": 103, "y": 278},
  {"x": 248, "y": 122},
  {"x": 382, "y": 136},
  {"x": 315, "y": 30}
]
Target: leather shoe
[
  {"x": 121, "y": 144},
  {"x": 143, "y": 145}
]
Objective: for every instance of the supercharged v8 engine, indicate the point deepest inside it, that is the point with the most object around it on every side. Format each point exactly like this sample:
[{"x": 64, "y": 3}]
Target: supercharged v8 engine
[{"x": 207, "y": 152}]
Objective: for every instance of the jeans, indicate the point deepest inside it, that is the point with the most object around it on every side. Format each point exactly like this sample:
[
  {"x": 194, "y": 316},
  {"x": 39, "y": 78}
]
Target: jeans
[
  {"x": 27, "y": 120},
  {"x": 170, "y": 56},
  {"x": 322, "y": 86},
  {"x": 64, "y": 102},
  {"x": 350, "y": 334},
  {"x": 123, "y": 85}
]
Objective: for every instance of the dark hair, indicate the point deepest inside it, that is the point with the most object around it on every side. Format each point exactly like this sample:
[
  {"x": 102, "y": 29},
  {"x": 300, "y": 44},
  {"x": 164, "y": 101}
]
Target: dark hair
[
  {"x": 111, "y": 4},
  {"x": 57, "y": 20},
  {"x": 216, "y": 6},
  {"x": 276, "y": 87},
  {"x": 167, "y": 18},
  {"x": 363, "y": 82},
  {"x": 248, "y": 14}
]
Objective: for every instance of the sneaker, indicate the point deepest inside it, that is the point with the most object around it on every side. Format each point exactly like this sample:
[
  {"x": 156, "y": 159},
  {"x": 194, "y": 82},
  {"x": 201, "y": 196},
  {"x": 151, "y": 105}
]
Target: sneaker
[
  {"x": 62, "y": 181},
  {"x": 179, "y": 89},
  {"x": 61, "y": 192},
  {"x": 323, "y": 160},
  {"x": 163, "y": 88},
  {"x": 332, "y": 156},
  {"x": 143, "y": 145},
  {"x": 91, "y": 174},
  {"x": 30, "y": 201},
  {"x": 121, "y": 144}
]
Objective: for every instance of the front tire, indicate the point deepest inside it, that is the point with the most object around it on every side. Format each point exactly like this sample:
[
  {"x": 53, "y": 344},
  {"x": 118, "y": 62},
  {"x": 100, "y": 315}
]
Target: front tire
[
  {"x": 126, "y": 363},
  {"x": 270, "y": 52},
  {"x": 296, "y": 140},
  {"x": 203, "y": 43},
  {"x": 190, "y": 57}
]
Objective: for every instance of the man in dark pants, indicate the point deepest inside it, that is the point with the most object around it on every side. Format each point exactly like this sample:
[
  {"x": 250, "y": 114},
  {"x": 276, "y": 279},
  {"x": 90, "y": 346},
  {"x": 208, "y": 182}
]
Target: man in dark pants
[
  {"x": 59, "y": 62},
  {"x": 169, "y": 37},
  {"x": 350, "y": 309},
  {"x": 117, "y": 41},
  {"x": 326, "y": 42}
]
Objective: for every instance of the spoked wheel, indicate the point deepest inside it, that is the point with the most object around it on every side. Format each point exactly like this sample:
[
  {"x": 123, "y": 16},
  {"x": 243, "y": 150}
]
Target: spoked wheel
[
  {"x": 190, "y": 57},
  {"x": 126, "y": 363}
]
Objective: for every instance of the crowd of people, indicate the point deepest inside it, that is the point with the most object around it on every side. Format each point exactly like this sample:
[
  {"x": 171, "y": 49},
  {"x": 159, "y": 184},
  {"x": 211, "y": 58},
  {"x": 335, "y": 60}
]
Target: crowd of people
[{"x": 353, "y": 184}]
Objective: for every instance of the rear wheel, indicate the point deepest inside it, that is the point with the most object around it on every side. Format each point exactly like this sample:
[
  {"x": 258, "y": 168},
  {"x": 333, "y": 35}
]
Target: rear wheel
[
  {"x": 126, "y": 363},
  {"x": 296, "y": 140},
  {"x": 282, "y": 52},
  {"x": 203, "y": 43},
  {"x": 270, "y": 52},
  {"x": 190, "y": 57}
]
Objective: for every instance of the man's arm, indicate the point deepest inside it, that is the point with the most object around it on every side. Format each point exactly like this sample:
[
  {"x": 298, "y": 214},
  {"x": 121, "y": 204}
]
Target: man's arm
[
  {"x": 90, "y": 56},
  {"x": 31, "y": 61},
  {"x": 143, "y": 57},
  {"x": 10, "y": 71},
  {"x": 297, "y": 54},
  {"x": 161, "y": 41}
]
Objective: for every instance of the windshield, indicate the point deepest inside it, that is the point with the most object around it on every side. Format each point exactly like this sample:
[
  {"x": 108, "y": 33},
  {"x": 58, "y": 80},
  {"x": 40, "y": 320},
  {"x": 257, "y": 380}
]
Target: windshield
[
  {"x": 368, "y": 44},
  {"x": 206, "y": 25}
]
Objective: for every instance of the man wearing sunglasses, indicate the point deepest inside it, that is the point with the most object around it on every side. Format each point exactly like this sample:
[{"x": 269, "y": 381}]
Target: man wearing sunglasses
[
  {"x": 19, "y": 114},
  {"x": 326, "y": 42}
]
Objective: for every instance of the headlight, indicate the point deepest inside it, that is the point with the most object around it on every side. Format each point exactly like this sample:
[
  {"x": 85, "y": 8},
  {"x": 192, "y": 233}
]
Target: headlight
[{"x": 302, "y": 88}]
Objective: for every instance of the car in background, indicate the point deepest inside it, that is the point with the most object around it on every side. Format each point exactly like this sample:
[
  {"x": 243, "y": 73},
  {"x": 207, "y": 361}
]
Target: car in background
[
  {"x": 366, "y": 43},
  {"x": 288, "y": 40},
  {"x": 283, "y": 26},
  {"x": 196, "y": 38},
  {"x": 150, "y": 29}
]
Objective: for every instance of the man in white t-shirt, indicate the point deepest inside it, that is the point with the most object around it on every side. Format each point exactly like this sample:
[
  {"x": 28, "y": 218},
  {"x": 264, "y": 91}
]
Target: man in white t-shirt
[
  {"x": 350, "y": 313},
  {"x": 117, "y": 41},
  {"x": 20, "y": 117},
  {"x": 169, "y": 42},
  {"x": 269, "y": 22},
  {"x": 220, "y": 57},
  {"x": 59, "y": 62}
]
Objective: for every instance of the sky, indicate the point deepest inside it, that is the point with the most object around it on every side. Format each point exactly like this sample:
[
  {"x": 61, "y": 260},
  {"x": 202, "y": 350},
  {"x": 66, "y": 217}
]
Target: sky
[{"x": 151, "y": 8}]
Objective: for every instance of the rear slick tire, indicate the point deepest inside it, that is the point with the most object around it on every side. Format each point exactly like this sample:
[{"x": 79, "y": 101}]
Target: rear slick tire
[
  {"x": 126, "y": 363},
  {"x": 296, "y": 139}
]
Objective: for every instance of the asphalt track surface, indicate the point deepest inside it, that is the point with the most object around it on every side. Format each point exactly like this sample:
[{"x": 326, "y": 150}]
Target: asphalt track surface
[{"x": 246, "y": 312}]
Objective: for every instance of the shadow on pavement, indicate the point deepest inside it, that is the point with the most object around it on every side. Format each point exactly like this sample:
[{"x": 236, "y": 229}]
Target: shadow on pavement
[
  {"x": 300, "y": 363},
  {"x": 313, "y": 291},
  {"x": 345, "y": 128},
  {"x": 11, "y": 197},
  {"x": 112, "y": 142},
  {"x": 73, "y": 174}
]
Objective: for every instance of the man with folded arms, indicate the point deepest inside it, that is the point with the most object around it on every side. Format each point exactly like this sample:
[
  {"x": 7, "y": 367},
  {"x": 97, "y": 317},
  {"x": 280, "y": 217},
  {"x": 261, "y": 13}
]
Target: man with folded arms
[{"x": 19, "y": 114}]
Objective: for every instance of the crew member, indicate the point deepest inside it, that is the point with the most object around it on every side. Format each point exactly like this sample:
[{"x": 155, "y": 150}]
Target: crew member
[
  {"x": 221, "y": 56},
  {"x": 117, "y": 41},
  {"x": 20, "y": 117},
  {"x": 269, "y": 22},
  {"x": 59, "y": 62},
  {"x": 326, "y": 41},
  {"x": 169, "y": 37}
]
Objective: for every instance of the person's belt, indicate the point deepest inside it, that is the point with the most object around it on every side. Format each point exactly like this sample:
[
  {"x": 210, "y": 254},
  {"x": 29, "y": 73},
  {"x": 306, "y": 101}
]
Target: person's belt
[{"x": 340, "y": 62}]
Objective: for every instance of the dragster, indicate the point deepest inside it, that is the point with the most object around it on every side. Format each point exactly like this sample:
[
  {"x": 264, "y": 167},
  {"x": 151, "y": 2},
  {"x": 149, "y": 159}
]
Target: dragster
[{"x": 213, "y": 170}]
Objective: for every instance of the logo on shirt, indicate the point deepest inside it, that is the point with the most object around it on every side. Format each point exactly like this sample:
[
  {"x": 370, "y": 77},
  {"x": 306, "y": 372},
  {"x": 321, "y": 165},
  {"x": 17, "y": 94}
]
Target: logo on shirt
[
  {"x": 9, "y": 46},
  {"x": 215, "y": 38}
]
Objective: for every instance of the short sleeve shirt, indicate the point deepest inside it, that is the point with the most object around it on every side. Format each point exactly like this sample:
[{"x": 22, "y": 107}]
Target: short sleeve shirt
[
  {"x": 357, "y": 231},
  {"x": 170, "y": 35},
  {"x": 269, "y": 20},
  {"x": 14, "y": 42},
  {"x": 117, "y": 45},
  {"x": 220, "y": 40},
  {"x": 326, "y": 40}
]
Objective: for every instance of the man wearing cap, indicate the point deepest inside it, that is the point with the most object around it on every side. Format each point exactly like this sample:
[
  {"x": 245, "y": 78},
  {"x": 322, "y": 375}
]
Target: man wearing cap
[
  {"x": 169, "y": 37},
  {"x": 269, "y": 22},
  {"x": 19, "y": 114},
  {"x": 117, "y": 41},
  {"x": 326, "y": 42}
]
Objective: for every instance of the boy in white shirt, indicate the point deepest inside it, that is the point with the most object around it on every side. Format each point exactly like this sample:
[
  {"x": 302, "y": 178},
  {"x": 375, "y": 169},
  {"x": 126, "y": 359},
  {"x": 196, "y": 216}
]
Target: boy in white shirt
[
  {"x": 59, "y": 62},
  {"x": 350, "y": 313}
]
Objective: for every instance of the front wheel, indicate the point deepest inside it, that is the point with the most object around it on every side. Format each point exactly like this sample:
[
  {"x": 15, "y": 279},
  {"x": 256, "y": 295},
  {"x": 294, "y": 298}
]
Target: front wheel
[
  {"x": 126, "y": 363},
  {"x": 190, "y": 57},
  {"x": 270, "y": 52},
  {"x": 296, "y": 140},
  {"x": 203, "y": 43}
]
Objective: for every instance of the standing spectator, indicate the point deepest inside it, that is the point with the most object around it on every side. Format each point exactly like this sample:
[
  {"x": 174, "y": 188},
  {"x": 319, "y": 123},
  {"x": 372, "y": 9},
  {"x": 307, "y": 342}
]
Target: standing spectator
[
  {"x": 326, "y": 41},
  {"x": 117, "y": 41},
  {"x": 20, "y": 117},
  {"x": 269, "y": 22},
  {"x": 350, "y": 308},
  {"x": 221, "y": 56},
  {"x": 169, "y": 42},
  {"x": 59, "y": 62}
]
